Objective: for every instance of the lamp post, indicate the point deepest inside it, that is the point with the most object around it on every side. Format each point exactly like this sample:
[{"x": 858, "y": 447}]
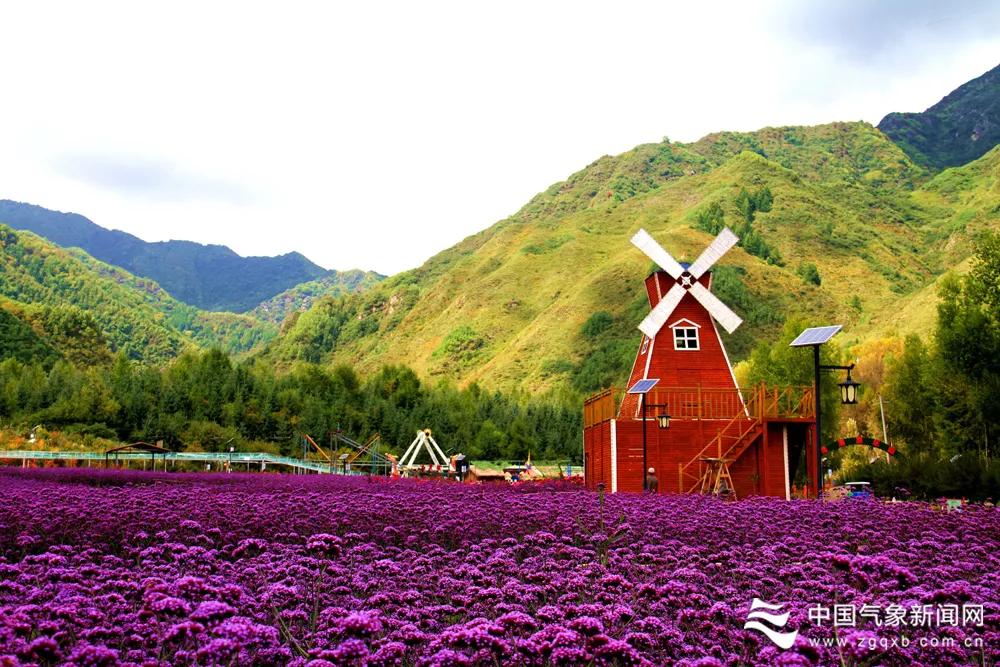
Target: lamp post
[
  {"x": 814, "y": 337},
  {"x": 641, "y": 388},
  {"x": 662, "y": 421},
  {"x": 231, "y": 450}
]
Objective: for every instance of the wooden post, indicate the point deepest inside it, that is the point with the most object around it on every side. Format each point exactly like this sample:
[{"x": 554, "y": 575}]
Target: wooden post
[
  {"x": 680, "y": 478},
  {"x": 765, "y": 470}
]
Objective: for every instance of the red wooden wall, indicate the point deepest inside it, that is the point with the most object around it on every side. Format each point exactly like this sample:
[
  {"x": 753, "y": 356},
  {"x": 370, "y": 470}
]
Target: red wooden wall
[
  {"x": 597, "y": 455},
  {"x": 759, "y": 470}
]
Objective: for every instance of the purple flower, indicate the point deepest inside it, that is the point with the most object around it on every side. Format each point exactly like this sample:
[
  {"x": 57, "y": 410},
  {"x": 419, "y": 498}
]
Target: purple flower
[
  {"x": 251, "y": 571},
  {"x": 212, "y": 611},
  {"x": 88, "y": 655},
  {"x": 324, "y": 545}
]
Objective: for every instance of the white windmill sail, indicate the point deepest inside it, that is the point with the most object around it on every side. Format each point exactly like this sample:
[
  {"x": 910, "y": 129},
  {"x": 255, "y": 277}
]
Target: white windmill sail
[
  {"x": 720, "y": 311},
  {"x": 658, "y": 316},
  {"x": 648, "y": 245},
  {"x": 716, "y": 249},
  {"x": 687, "y": 281}
]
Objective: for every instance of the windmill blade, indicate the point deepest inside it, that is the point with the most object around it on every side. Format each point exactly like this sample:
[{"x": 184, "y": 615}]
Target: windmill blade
[
  {"x": 658, "y": 316},
  {"x": 716, "y": 249},
  {"x": 720, "y": 311},
  {"x": 644, "y": 242}
]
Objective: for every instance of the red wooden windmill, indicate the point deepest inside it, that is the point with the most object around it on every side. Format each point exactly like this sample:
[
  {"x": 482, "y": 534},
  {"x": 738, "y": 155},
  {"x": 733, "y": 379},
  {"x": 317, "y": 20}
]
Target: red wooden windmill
[
  {"x": 681, "y": 345},
  {"x": 682, "y": 377}
]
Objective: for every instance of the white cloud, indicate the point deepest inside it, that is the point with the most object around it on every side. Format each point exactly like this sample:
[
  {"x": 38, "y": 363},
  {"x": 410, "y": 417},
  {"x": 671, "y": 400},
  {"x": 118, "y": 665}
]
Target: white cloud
[{"x": 373, "y": 135}]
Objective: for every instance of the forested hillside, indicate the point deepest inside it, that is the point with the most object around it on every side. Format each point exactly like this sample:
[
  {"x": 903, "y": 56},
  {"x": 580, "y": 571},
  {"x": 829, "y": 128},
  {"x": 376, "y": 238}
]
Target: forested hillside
[
  {"x": 301, "y": 297},
  {"x": 85, "y": 310},
  {"x": 206, "y": 401},
  {"x": 89, "y": 350}
]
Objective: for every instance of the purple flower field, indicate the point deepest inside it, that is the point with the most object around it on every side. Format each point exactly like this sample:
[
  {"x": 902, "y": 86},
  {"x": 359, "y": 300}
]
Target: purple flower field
[{"x": 101, "y": 568}]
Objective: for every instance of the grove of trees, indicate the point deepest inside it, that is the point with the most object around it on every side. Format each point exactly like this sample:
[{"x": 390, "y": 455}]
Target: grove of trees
[
  {"x": 205, "y": 399},
  {"x": 943, "y": 395}
]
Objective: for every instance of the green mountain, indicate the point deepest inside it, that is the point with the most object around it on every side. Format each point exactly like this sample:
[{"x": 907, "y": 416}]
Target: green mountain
[
  {"x": 211, "y": 277},
  {"x": 300, "y": 297},
  {"x": 960, "y": 128},
  {"x": 837, "y": 224},
  {"x": 63, "y": 303}
]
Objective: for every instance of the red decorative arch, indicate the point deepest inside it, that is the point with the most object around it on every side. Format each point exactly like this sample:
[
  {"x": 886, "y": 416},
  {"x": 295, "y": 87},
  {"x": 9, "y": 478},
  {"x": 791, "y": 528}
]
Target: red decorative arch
[{"x": 859, "y": 440}]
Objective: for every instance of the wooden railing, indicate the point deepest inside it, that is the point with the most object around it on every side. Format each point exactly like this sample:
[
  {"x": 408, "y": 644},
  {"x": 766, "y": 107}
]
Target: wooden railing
[
  {"x": 775, "y": 402},
  {"x": 697, "y": 402},
  {"x": 759, "y": 402},
  {"x": 601, "y": 407}
]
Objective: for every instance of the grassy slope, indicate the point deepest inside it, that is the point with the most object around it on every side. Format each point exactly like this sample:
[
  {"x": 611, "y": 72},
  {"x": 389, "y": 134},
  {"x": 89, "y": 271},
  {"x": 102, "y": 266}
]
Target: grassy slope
[
  {"x": 961, "y": 203},
  {"x": 59, "y": 292},
  {"x": 505, "y": 307}
]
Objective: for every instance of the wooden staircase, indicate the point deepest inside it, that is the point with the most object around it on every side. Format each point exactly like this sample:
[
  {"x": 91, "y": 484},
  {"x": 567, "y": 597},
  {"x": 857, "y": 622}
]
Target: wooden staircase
[
  {"x": 729, "y": 444},
  {"x": 733, "y": 439}
]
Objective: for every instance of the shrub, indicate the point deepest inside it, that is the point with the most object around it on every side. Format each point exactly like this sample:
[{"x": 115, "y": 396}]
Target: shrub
[
  {"x": 597, "y": 324},
  {"x": 809, "y": 273}
]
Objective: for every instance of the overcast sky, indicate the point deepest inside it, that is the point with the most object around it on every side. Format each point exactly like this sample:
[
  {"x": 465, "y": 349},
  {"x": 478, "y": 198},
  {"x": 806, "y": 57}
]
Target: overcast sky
[{"x": 375, "y": 134}]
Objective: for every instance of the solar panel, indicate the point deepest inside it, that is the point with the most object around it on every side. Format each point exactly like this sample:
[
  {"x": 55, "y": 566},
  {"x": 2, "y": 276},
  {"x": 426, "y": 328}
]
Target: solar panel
[
  {"x": 643, "y": 386},
  {"x": 815, "y": 336}
]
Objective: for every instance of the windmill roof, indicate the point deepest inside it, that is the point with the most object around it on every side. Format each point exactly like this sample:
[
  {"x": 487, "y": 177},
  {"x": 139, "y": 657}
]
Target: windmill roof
[{"x": 684, "y": 265}]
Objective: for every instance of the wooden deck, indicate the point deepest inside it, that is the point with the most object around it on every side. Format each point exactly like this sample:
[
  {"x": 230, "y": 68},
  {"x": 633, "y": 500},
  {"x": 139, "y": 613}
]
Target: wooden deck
[{"x": 759, "y": 402}]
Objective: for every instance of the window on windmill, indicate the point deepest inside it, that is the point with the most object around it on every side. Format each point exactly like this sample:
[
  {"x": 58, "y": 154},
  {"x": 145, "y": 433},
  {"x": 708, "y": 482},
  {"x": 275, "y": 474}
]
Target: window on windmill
[{"x": 685, "y": 335}]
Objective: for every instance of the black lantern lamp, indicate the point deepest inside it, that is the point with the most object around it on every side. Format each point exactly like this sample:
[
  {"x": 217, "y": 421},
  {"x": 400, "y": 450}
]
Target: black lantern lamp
[
  {"x": 663, "y": 420},
  {"x": 848, "y": 390}
]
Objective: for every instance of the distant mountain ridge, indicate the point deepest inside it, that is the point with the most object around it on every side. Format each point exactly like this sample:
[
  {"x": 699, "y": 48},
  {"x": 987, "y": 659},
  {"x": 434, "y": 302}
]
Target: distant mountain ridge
[
  {"x": 962, "y": 127},
  {"x": 211, "y": 277}
]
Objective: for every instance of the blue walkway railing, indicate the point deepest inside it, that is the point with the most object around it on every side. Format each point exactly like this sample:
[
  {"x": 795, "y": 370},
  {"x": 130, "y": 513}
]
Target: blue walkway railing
[{"x": 236, "y": 458}]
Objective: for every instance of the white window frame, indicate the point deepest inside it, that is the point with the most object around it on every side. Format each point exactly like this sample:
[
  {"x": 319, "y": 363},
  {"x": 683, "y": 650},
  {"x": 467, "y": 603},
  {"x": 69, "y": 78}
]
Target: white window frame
[{"x": 681, "y": 333}]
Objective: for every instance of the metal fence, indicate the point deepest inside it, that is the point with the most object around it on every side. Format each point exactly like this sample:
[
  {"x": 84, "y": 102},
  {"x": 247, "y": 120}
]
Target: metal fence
[{"x": 261, "y": 459}]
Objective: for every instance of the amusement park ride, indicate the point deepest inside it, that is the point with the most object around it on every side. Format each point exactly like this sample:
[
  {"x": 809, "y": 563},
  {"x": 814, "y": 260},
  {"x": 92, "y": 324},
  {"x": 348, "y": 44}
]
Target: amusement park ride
[
  {"x": 368, "y": 458},
  {"x": 683, "y": 415},
  {"x": 423, "y": 441}
]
